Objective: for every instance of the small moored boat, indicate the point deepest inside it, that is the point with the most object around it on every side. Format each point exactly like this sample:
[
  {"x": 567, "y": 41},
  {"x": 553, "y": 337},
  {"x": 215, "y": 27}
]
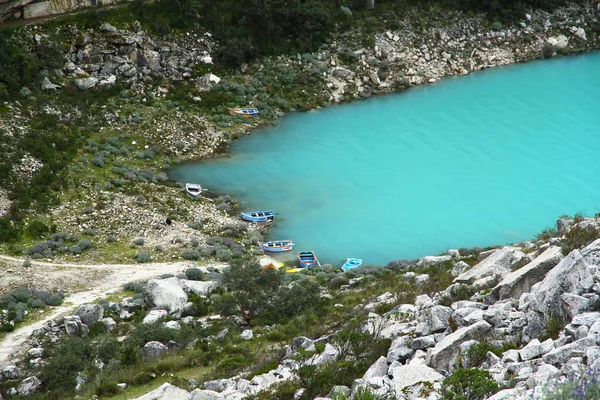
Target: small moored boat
[
  {"x": 193, "y": 190},
  {"x": 243, "y": 112},
  {"x": 258, "y": 216},
  {"x": 277, "y": 246},
  {"x": 351, "y": 263},
  {"x": 307, "y": 259}
]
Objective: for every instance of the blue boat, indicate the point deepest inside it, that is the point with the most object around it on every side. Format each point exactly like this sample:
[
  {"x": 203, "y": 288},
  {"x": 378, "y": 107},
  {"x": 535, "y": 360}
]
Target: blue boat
[
  {"x": 243, "y": 112},
  {"x": 258, "y": 216},
  {"x": 277, "y": 246},
  {"x": 351, "y": 263},
  {"x": 307, "y": 259}
]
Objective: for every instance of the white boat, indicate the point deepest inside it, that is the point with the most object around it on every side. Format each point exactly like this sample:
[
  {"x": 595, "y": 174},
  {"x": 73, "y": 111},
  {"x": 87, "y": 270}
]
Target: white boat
[{"x": 193, "y": 190}]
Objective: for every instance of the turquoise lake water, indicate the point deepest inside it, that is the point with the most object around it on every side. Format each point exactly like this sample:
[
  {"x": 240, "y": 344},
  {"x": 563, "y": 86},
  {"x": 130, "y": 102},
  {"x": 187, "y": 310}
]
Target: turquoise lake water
[{"x": 487, "y": 159}]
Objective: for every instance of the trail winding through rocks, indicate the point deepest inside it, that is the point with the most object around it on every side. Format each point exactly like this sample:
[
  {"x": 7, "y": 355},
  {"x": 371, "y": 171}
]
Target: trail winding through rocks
[{"x": 113, "y": 278}]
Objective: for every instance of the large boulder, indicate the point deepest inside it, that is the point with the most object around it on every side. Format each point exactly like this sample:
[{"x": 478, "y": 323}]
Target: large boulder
[
  {"x": 436, "y": 320},
  {"x": 166, "y": 392},
  {"x": 86, "y": 83},
  {"x": 562, "y": 354},
  {"x": 572, "y": 275},
  {"x": 408, "y": 375},
  {"x": 444, "y": 355},
  {"x": 499, "y": 263},
  {"x": 199, "y": 394},
  {"x": 154, "y": 316},
  {"x": 90, "y": 313},
  {"x": 29, "y": 386},
  {"x": 520, "y": 281},
  {"x": 154, "y": 349},
  {"x": 167, "y": 294},
  {"x": 378, "y": 369},
  {"x": 200, "y": 288}
]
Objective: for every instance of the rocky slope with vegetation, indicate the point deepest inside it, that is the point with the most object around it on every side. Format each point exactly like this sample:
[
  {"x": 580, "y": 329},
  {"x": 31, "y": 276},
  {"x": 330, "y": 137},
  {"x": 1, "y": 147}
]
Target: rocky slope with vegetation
[{"x": 515, "y": 322}]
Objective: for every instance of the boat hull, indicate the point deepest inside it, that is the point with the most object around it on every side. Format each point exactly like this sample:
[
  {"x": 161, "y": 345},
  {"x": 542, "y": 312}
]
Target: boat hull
[
  {"x": 278, "y": 246},
  {"x": 193, "y": 191},
  {"x": 243, "y": 112},
  {"x": 307, "y": 259},
  {"x": 351, "y": 263},
  {"x": 258, "y": 216}
]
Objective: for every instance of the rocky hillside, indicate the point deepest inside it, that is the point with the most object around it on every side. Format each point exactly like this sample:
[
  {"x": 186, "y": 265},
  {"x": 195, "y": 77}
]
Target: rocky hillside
[{"x": 521, "y": 322}]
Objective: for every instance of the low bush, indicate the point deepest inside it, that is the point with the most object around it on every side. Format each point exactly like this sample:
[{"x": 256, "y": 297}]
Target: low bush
[
  {"x": 337, "y": 282},
  {"x": 142, "y": 257},
  {"x": 194, "y": 274},
  {"x": 191, "y": 255}
]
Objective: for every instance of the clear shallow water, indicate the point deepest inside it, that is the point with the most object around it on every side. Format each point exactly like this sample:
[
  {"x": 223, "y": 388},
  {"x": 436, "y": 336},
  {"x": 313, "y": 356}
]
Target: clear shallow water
[{"x": 490, "y": 158}]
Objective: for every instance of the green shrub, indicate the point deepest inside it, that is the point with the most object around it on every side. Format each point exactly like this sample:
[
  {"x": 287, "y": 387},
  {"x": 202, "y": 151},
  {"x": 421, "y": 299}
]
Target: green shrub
[
  {"x": 54, "y": 300},
  {"x": 476, "y": 354},
  {"x": 578, "y": 237},
  {"x": 107, "y": 388},
  {"x": 194, "y": 274},
  {"x": 469, "y": 384},
  {"x": 37, "y": 229},
  {"x": 337, "y": 282},
  {"x": 142, "y": 257},
  {"x": 191, "y": 255}
]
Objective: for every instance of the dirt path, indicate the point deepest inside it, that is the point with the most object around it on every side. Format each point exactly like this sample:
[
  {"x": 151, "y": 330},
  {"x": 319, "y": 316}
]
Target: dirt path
[
  {"x": 112, "y": 280},
  {"x": 106, "y": 279}
]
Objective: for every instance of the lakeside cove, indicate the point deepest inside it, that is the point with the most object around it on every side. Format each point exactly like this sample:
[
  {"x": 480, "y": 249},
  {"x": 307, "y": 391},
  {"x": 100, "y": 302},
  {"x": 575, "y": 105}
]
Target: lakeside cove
[{"x": 116, "y": 284}]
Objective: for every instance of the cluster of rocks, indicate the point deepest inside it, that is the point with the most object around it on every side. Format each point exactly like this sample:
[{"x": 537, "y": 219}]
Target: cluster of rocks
[
  {"x": 525, "y": 286},
  {"x": 450, "y": 45},
  {"x": 100, "y": 57}
]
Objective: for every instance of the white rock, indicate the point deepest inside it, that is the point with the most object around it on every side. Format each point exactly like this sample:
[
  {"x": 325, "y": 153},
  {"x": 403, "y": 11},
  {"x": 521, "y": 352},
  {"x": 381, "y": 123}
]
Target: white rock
[
  {"x": 172, "y": 325},
  {"x": 578, "y": 33},
  {"x": 572, "y": 275},
  {"x": 206, "y": 60},
  {"x": 29, "y": 386},
  {"x": 520, "y": 281},
  {"x": 166, "y": 392},
  {"x": 86, "y": 83},
  {"x": 47, "y": 85},
  {"x": 431, "y": 260},
  {"x": 510, "y": 356},
  {"x": 154, "y": 349},
  {"x": 443, "y": 356},
  {"x": 154, "y": 316},
  {"x": 499, "y": 263},
  {"x": 199, "y": 288},
  {"x": 168, "y": 294},
  {"x": 531, "y": 351},
  {"x": 199, "y": 394},
  {"x": 560, "y": 42},
  {"x": 247, "y": 334},
  {"x": 409, "y": 375},
  {"x": 35, "y": 352},
  {"x": 378, "y": 369}
]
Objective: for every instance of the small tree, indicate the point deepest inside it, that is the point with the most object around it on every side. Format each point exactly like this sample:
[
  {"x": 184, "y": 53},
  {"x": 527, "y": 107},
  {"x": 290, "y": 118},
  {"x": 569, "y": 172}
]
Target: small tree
[{"x": 252, "y": 287}]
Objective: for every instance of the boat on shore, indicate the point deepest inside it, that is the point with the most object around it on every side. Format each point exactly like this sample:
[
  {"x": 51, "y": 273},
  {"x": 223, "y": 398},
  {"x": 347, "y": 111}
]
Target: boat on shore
[
  {"x": 258, "y": 216},
  {"x": 351, "y": 263},
  {"x": 277, "y": 246},
  {"x": 307, "y": 259},
  {"x": 243, "y": 112},
  {"x": 193, "y": 190}
]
